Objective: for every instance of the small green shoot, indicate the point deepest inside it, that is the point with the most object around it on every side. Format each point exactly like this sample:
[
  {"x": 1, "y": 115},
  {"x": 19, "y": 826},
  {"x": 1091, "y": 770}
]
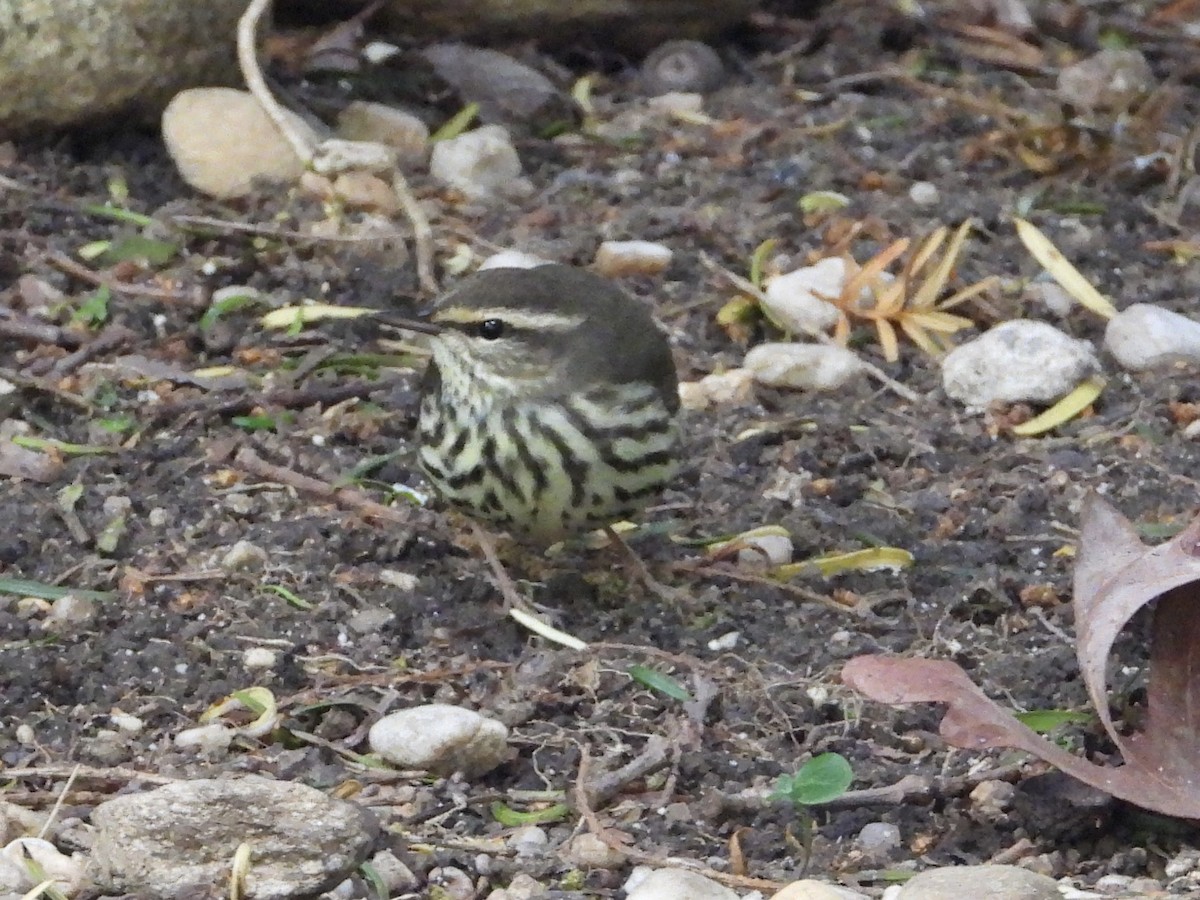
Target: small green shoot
[
  {"x": 53, "y": 445},
  {"x": 146, "y": 252},
  {"x": 93, "y": 311},
  {"x": 457, "y": 124},
  {"x": 116, "y": 424},
  {"x": 110, "y": 535},
  {"x": 659, "y": 682},
  {"x": 290, "y": 597},
  {"x": 820, "y": 780},
  {"x": 260, "y": 422},
  {"x": 511, "y": 818},
  {"x": 379, "y": 888},
  {"x": 823, "y": 202},
  {"x": 1044, "y": 721},
  {"x": 118, "y": 214},
  {"x": 23, "y": 587},
  {"x": 758, "y": 258},
  {"x": 226, "y": 305}
]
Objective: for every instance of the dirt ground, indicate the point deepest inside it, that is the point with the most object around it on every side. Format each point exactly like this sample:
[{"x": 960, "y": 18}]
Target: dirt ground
[{"x": 984, "y": 513}]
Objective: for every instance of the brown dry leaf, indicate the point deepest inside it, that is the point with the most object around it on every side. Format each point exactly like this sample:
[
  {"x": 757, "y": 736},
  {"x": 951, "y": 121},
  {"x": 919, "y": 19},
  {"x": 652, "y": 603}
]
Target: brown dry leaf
[{"x": 1115, "y": 576}]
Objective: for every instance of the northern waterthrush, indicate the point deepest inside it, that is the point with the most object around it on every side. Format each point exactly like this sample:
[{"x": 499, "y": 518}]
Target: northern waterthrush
[{"x": 549, "y": 407}]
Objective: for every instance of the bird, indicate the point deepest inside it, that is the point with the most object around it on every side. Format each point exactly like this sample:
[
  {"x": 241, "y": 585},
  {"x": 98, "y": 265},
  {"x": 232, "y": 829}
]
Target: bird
[{"x": 550, "y": 406}]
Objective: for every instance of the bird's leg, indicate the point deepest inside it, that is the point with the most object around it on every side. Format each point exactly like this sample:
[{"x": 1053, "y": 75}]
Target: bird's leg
[
  {"x": 639, "y": 571},
  {"x": 513, "y": 598}
]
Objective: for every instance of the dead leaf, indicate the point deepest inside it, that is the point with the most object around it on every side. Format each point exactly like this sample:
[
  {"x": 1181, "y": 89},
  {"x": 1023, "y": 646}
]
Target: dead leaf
[{"x": 1116, "y": 575}]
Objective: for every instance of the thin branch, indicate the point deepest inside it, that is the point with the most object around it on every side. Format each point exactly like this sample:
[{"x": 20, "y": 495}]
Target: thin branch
[
  {"x": 247, "y": 53},
  {"x": 350, "y": 498}
]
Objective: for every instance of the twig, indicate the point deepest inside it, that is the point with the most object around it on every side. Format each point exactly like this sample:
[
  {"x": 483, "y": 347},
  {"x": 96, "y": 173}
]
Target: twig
[
  {"x": 65, "y": 264},
  {"x": 290, "y": 398},
  {"x": 58, "y": 804},
  {"x": 422, "y": 233},
  {"x": 33, "y": 383},
  {"x": 302, "y": 143},
  {"x": 750, "y": 288},
  {"x": 88, "y": 773},
  {"x": 613, "y": 840},
  {"x": 22, "y": 328},
  {"x": 347, "y": 497},
  {"x": 111, "y": 338},
  {"x": 247, "y": 53},
  {"x": 653, "y": 757},
  {"x": 185, "y": 222}
]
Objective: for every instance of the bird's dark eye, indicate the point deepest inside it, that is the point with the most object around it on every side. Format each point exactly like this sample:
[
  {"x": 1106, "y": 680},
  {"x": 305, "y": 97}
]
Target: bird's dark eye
[{"x": 490, "y": 329}]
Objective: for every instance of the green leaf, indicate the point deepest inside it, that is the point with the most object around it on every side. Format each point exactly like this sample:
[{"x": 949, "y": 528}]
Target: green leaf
[
  {"x": 94, "y": 308},
  {"x": 255, "y": 423},
  {"x": 823, "y": 202},
  {"x": 820, "y": 780},
  {"x": 228, "y": 304},
  {"x": 378, "y": 886},
  {"x": 457, "y": 125},
  {"x": 48, "y": 445},
  {"x": 142, "y": 250},
  {"x": 510, "y": 818},
  {"x": 657, "y": 681},
  {"x": 117, "y": 424},
  {"x": 761, "y": 252},
  {"x": 289, "y": 596},
  {"x": 119, "y": 214},
  {"x": 23, "y": 587},
  {"x": 1044, "y": 721}
]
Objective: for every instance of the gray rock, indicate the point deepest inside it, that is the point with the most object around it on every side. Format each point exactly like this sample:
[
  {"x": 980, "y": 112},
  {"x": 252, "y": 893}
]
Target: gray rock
[
  {"x": 979, "y": 883},
  {"x": 1022, "y": 360},
  {"x": 178, "y": 840},
  {"x": 70, "y": 62},
  {"x": 682, "y": 66},
  {"x": 810, "y": 367},
  {"x": 1111, "y": 80},
  {"x": 675, "y": 884},
  {"x": 440, "y": 738},
  {"x": 481, "y": 163},
  {"x": 1146, "y": 336},
  {"x": 508, "y": 92}
]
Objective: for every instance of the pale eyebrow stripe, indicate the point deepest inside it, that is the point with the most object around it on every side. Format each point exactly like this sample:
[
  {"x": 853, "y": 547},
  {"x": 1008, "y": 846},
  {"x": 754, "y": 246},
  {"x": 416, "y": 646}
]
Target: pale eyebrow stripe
[{"x": 518, "y": 318}]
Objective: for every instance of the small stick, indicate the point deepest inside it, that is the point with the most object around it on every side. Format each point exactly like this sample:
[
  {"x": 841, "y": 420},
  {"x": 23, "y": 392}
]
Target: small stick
[{"x": 347, "y": 497}]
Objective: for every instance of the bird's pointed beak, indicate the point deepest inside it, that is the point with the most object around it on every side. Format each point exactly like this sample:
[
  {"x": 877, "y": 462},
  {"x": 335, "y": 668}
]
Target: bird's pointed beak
[{"x": 421, "y": 326}]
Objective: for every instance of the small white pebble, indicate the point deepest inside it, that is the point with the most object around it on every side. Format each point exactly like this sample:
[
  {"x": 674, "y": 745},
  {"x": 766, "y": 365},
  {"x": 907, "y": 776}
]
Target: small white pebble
[
  {"x": 878, "y": 838},
  {"x": 924, "y": 193},
  {"x": 513, "y": 259},
  {"x": 818, "y": 367},
  {"x": 616, "y": 259},
  {"x": 211, "y": 738},
  {"x": 127, "y": 723},
  {"x": 403, "y": 581},
  {"x": 730, "y": 386},
  {"x": 480, "y": 163},
  {"x": 725, "y": 642},
  {"x": 677, "y": 102},
  {"x": 259, "y": 658},
  {"x": 244, "y": 556},
  {"x": 528, "y": 841}
]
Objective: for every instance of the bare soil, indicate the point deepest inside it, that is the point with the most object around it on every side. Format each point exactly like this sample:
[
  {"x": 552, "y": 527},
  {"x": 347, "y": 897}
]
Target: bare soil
[{"x": 988, "y": 517}]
